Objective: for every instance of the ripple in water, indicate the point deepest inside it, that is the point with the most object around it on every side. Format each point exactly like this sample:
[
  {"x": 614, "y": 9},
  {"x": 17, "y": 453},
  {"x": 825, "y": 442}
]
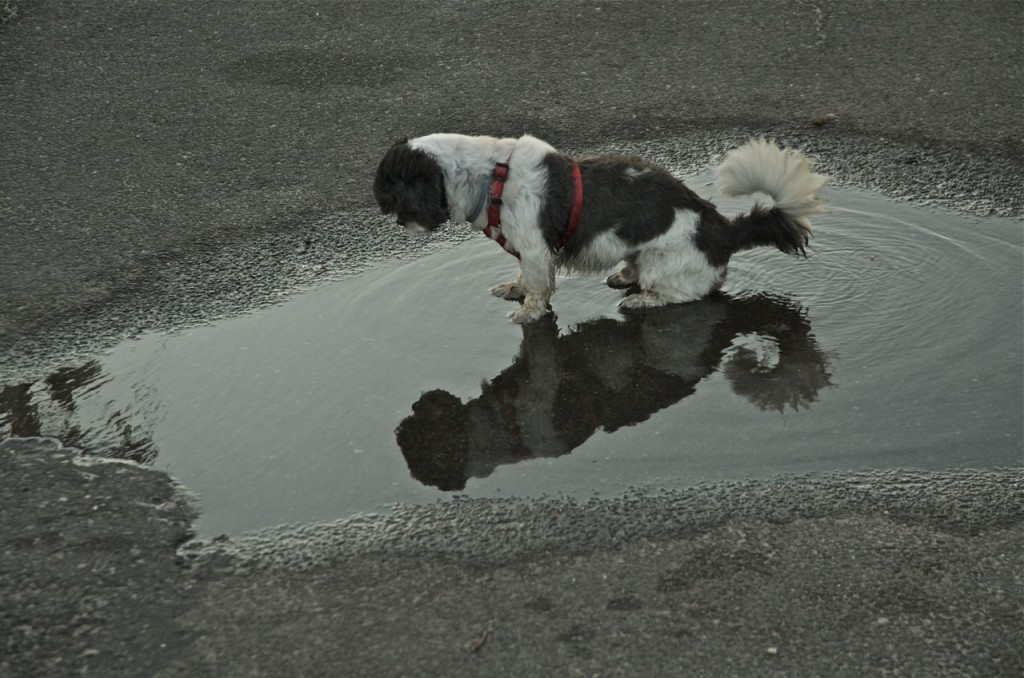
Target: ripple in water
[{"x": 897, "y": 343}]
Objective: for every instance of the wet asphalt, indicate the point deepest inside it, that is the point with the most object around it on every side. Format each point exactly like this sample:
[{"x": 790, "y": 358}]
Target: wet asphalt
[{"x": 164, "y": 163}]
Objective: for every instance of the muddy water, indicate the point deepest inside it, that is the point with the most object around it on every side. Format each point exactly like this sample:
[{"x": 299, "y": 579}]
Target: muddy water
[{"x": 897, "y": 343}]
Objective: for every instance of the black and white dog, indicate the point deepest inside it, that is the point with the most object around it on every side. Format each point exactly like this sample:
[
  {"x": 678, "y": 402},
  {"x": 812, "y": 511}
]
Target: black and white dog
[{"x": 665, "y": 243}]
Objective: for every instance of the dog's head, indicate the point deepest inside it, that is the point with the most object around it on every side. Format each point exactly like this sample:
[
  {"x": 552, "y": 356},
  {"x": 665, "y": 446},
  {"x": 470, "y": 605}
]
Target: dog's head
[{"x": 410, "y": 185}]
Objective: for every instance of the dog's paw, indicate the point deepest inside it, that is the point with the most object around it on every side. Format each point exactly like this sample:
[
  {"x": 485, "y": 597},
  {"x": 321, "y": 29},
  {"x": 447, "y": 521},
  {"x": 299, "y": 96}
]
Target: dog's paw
[
  {"x": 511, "y": 291},
  {"x": 648, "y": 299},
  {"x": 528, "y": 313},
  {"x": 618, "y": 281},
  {"x": 642, "y": 300}
]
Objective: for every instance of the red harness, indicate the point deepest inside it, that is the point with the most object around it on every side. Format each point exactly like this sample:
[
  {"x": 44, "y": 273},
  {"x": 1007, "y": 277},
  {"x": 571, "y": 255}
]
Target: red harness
[{"x": 493, "y": 228}]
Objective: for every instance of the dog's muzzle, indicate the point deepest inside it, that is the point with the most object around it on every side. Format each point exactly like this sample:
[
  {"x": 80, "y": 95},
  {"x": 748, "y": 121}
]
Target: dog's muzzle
[
  {"x": 413, "y": 227},
  {"x": 414, "y": 223}
]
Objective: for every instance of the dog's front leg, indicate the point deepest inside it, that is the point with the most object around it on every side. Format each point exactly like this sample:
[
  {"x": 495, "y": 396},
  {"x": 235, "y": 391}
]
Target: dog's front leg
[{"x": 537, "y": 280}]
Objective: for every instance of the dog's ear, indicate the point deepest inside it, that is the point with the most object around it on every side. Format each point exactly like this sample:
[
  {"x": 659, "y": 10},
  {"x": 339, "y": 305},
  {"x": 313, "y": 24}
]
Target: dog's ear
[{"x": 389, "y": 183}]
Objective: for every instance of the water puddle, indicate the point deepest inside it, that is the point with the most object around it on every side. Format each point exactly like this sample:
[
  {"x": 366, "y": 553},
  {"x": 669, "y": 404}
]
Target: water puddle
[{"x": 897, "y": 344}]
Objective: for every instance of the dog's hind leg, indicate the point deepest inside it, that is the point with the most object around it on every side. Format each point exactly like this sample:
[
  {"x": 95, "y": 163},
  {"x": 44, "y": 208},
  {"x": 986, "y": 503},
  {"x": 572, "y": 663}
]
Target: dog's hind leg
[
  {"x": 625, "y": 275},
  {"x": 537, "y": 278},
  {"x": 670, "y": 276}
]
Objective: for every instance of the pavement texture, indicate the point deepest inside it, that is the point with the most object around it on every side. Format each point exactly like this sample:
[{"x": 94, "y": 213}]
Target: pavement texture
[{"x": 168, "y": 162}]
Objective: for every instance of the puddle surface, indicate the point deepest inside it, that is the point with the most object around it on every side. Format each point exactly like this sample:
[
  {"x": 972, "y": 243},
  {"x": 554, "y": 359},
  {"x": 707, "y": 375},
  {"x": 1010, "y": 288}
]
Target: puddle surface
[{"x": 897, "y": 344}]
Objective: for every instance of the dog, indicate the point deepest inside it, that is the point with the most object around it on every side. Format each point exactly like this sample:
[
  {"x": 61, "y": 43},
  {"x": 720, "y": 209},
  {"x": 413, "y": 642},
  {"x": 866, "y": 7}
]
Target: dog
[
  {"x": 607, "y": 374},
  {"x": 663, "y": 242}
]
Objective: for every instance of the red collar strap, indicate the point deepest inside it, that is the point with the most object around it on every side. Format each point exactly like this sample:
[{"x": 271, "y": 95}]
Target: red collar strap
[
  {"x": 493, "y": 228},
  {"x": 577, "y": 206}
]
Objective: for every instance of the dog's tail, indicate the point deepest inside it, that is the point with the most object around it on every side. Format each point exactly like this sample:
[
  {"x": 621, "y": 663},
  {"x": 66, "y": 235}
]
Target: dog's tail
[{"x": 785, "y": 176}]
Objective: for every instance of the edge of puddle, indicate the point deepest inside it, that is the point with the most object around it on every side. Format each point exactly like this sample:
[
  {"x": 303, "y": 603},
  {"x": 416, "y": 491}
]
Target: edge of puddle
[{"x": 501, "y": 531}]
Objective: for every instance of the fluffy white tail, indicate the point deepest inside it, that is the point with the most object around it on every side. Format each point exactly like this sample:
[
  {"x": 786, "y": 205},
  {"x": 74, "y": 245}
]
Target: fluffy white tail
[{"x": 785, "y": 175}]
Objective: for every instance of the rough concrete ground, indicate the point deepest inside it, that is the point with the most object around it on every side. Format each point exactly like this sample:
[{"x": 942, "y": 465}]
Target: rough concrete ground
[{"x": 143, "y": 143}]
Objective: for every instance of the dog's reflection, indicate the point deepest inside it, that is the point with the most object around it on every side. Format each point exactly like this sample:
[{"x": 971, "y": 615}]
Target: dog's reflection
[{"x": 606, "y": 374}]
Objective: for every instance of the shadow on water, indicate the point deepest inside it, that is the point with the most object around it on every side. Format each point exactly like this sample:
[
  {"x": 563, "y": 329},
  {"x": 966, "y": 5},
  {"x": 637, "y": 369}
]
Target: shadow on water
[{"x": 607, "y": 374}]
